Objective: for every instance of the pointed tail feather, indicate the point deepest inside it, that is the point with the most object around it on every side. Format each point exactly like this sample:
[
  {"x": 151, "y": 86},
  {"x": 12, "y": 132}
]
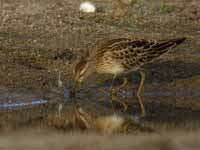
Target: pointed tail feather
[
  {"x": 162, "y": 45},
  {"x": 160, "y": 48},
  {"x": 178, "y": 40}
]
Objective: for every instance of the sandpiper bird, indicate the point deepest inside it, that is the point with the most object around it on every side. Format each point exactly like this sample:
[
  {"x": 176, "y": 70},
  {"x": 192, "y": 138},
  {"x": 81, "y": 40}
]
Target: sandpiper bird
[{"x": 123, "y": 55}]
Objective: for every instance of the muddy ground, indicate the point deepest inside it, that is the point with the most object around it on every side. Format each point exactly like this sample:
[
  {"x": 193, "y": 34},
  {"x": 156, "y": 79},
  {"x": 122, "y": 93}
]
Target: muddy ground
[{"x": 40, "y": 40}]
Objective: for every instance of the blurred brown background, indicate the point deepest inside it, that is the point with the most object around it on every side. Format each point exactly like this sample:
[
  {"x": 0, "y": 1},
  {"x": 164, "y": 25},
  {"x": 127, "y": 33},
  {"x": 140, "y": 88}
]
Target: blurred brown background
[{"x": 41, "y": 38}]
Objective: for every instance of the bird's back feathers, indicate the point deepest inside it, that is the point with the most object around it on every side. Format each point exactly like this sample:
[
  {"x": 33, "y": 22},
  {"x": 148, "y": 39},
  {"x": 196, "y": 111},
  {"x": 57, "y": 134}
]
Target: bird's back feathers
[{"x": 134, "y": 53}]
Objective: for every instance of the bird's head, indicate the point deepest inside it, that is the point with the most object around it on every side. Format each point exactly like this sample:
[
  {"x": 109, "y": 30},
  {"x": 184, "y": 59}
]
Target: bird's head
[{"x": 80, "y": 71}]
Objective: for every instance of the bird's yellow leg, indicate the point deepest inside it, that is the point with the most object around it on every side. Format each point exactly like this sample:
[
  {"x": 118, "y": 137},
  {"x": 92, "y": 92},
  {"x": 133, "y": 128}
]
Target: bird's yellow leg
[
  {"x": 139, "y": 91},
  {"x": 115, "y": 98},
  {"x": 114, "y": 91},
  {"x": 122, "y": 86}
]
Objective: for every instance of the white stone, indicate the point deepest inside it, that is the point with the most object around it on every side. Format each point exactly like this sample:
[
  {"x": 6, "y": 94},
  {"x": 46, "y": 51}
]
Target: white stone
[{"x": 87, "y": 7}]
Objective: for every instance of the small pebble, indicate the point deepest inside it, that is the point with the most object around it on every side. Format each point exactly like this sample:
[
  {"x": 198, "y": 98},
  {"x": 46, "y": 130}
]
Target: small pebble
[{"x": 87, "y": 7}]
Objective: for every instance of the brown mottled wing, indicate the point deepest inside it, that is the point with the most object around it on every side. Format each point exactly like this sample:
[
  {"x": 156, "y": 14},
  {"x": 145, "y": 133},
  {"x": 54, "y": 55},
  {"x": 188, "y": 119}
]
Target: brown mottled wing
[
  {"x": 134, "y": 53},
  {"x": 147, "y": 51},
  {"x": 110, "y": 45}
]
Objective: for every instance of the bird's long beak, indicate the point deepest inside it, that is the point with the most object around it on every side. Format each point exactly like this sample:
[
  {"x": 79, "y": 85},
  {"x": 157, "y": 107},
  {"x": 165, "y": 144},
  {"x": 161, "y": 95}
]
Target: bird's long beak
[{"x": 75, "y": 87}]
